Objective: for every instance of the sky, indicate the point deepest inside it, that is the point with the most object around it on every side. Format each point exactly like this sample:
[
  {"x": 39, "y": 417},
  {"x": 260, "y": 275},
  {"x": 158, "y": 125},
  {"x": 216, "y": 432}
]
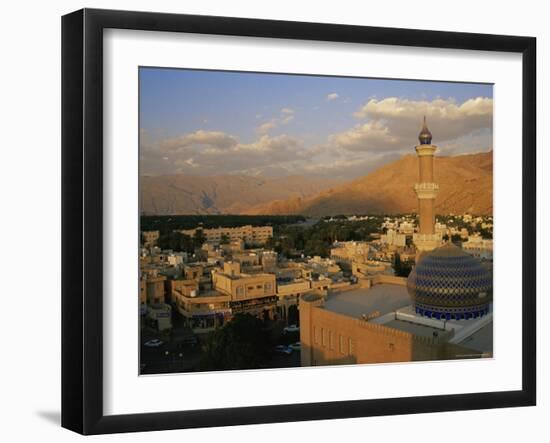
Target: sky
[{"x": 271, "y": 125}]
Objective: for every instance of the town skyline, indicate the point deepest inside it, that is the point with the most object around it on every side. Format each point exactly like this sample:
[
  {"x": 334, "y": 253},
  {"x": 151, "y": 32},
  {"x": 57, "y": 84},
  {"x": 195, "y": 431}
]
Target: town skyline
[{"x": 207, "y": 123}]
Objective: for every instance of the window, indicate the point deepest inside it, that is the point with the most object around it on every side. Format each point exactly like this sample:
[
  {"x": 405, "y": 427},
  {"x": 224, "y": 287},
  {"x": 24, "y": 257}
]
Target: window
[
  {"x": 323, "y": 340},
  {"x": 351, "y": 346},
  {"x": 315, "y": 334},
  {"x": 331, "y": 340},
  {"x": 341, "y": 346}
]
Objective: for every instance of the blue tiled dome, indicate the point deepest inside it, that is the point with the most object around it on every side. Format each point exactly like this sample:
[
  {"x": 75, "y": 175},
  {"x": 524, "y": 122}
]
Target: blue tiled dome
[{"x": 449, "y": 283}]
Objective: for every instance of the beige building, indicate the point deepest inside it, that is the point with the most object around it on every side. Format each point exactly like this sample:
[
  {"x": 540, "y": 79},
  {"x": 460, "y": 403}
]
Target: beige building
[
  {"x": 479, "y": 247},
  {"x": 250, "y": 293},
  {"x": 406, "y": 228},
  {"x": 376, "y": 325},
  {"x": 269, "y": 261},
  {"x": 249, "y": 234},
  {"x": 247, "y": 260},
  {"x": 289, "y": 293},
  {"x": 202, "y": 311},
  {"x": 160, "y": 316},
  {"x": 151, "y": 287},
  {"x": 347, "y": 252},
  {"x": 393, "y": 238},
  {"x": 369, "y": 268}
]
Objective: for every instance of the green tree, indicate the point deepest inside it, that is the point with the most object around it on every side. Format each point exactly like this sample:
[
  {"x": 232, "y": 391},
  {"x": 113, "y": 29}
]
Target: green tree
[
  {"x": 401, "y": 268},
  {"x": 293, "y": 315},
  {"x": 199, "y": 238},
  {"x": 287, "y": 245},
  {"x": 242, "y": 343},
  {"x": 315, "y": 247},
  {"x": 176, "y": 241},
  {"x": 224, "y": 239},
  {"x": 486, "y": 233},
  {"x": 270, "y": 243}
]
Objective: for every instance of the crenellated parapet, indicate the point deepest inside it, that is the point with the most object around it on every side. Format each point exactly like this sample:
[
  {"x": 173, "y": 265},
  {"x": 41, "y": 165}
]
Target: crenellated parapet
[{"x": 426, "y": 190}]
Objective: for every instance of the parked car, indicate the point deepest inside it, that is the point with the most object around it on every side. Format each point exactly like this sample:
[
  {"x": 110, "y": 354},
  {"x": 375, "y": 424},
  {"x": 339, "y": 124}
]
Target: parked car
[
  {"x": 291, "y": 328},
  {"x": 295, "y": 346},
  {"x": 282, "y": 349},
  {"x": 154, "y": 343}
]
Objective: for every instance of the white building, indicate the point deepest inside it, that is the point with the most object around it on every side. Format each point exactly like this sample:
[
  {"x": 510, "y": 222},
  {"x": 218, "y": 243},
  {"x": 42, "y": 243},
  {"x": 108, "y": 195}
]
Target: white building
[
  {"x": 391, "y": 237},
  {"x": 479, "y": 247}
]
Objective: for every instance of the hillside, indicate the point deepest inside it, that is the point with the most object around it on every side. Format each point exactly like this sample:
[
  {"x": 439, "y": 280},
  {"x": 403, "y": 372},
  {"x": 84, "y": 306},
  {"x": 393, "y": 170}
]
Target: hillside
[
  {"x": 465, "y": 185},
  {"x": 223, "y": 194}
]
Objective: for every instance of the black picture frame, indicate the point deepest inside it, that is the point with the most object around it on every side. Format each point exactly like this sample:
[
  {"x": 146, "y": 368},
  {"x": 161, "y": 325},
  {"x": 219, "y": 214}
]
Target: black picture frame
[{"x": 82, "y": 218}]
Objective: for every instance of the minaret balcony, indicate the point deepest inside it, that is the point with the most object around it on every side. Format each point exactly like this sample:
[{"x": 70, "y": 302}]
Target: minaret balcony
[
  {"x": 426, "y": 190},
  {"x": 425, "y": 150}
]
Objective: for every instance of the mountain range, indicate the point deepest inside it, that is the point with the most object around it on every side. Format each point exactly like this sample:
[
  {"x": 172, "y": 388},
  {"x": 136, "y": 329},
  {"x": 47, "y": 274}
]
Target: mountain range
[
  {"x": 221, "y": 194},
  {"x": 465, "y": 185}
]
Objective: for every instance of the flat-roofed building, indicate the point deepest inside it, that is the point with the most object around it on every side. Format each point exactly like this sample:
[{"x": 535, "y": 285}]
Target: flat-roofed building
[
  {"x": 288, "y": 293},
  {"x": 250, "y": 293},
  {"x": 370, "y": 267},
  {"x": 160, "y": 316},
  {"x": 152, "y": 287},
  {"x": 257, "y": 235},
  {"x": 406, "y": 227},
  {"x": 193, "y": 272},
  {"x": 479, "y": 247},
  {"x": 393, "y": 238},
  {"x": 247, "y": 260},
  {"x": 347, "y": 252},
  {"x": 378, "y": 325},
  {"x": 202, "y": 311},
  {"x": 269, "y": 261}
]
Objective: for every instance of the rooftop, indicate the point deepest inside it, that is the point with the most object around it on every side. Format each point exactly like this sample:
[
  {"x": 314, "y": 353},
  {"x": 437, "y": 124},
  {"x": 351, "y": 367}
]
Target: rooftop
[
  {"x": 384, "y": 298},
  {"x": 481, "y": 340},
  {"x": 414, "y": 328}
]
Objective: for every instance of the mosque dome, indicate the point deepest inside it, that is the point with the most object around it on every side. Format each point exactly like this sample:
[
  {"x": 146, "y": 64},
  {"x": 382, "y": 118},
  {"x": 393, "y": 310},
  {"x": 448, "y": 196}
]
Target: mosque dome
[
  {"x": 425, "y": 136},
  {"x": 448, "y": 283}
]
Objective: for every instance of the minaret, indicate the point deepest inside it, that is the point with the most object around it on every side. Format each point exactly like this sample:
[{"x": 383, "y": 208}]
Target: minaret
[{"x": 426, "y": 190}]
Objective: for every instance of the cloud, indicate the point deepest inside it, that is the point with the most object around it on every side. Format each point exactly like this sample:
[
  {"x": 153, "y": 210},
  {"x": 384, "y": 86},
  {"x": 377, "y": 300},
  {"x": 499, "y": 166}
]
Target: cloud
[
  {"x": 214, "y": 139},
  {"x": 212, "y": 153},
  {"x": 285, "y": 116},
  {"x": 385, "y": 130},
  {"x": 372, "y": 136},
  {"x": 447, "y": 119},
  {"x": 393, "y": 124},
  {"x": 332, "y": 96},
  {"x": 264, "y": 128}
]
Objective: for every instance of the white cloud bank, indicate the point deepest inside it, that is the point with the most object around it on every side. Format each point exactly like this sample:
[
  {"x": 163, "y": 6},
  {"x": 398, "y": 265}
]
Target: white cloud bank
[{"x": 386, "y": 129}]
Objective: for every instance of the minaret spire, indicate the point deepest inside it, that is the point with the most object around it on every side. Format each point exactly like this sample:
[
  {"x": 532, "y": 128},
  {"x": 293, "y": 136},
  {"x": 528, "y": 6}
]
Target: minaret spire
[
  {"x": 425, "y": 136},
  {"x": 426, "y": 190}
]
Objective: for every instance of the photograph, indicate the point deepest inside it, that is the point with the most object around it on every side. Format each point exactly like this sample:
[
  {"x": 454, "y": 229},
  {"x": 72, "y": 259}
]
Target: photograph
[
  {"x": 292, "y": 220},
  {"x": 265, "y": 221}
]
